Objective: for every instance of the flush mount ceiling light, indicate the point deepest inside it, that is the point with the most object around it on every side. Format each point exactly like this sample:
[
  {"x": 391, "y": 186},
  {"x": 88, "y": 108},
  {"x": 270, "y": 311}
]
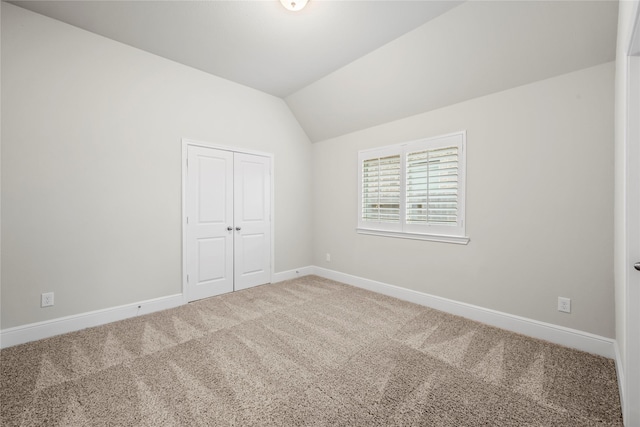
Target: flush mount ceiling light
[{"x": 294, "y": 5}]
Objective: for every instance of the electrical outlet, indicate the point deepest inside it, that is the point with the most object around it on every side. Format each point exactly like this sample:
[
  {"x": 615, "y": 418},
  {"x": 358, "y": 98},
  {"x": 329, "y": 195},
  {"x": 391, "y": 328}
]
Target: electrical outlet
[
  {"x": 564, "y": 304},
  {"x": 46, "y": 299},
  {"x": 328, "y": 257}
]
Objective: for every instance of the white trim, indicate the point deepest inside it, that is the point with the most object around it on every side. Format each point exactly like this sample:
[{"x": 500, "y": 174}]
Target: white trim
[
  {"x": 272, "y": 216},
  {"x": 460, "y": 240},
  {"x": 620, "y": 373},
  {"x": 183, "y": 213},
  {"x": 553, "y": 333},
  {"x": 546, "y": 331},
  {"x": 48, "y": 328},
  {"x": 401, "y": 228},
  {"x": 291, "y": 274},
  {"x": 633, "y": 48},
  {"x": 206, "y": 144},
  {"x": 629, "y": 374}
]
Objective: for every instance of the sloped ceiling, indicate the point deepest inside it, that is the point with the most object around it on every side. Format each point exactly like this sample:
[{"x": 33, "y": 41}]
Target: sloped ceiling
[
  {"x": 259, "y": 43},
  {"x": 342, "y": 66},
  {"x": 473, "y": 50}
]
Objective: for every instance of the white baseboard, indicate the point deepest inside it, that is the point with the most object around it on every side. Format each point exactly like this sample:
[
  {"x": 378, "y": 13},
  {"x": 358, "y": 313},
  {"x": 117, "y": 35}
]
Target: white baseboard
[
  {"x": 546, "y": 331},
  {"x": 291, "y": 274},
  {"x": 48, "y": 328},
  {"x": 557, "y": 334}
]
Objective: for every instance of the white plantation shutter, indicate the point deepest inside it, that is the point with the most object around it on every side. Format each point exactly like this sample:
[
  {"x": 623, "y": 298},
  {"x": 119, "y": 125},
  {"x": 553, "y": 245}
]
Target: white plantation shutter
[
  {"x": 432, "y": 187},
  {"x": 381, "y": 189},
  {"x": 414, "y": 190}
]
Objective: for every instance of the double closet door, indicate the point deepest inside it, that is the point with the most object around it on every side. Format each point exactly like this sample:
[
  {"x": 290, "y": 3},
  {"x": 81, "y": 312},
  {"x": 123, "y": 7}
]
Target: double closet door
[{"x": 228, "y": 221}]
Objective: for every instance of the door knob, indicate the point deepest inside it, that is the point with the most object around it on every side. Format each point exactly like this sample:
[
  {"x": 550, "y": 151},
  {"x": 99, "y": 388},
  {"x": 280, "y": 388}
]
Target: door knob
[
  {"x": 637, "y": 266},
  {"x": 229, "y": 228},
  {"x": 238, "y": 228}
]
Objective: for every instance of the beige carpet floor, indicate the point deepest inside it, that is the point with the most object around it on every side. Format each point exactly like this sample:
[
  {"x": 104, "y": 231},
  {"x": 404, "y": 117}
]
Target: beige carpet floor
[{"x": 306, "y": 352}]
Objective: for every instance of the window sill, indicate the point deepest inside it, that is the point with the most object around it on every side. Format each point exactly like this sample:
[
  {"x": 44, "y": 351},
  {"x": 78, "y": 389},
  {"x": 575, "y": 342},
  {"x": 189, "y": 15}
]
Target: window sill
[{"x": 459, "y": 240}]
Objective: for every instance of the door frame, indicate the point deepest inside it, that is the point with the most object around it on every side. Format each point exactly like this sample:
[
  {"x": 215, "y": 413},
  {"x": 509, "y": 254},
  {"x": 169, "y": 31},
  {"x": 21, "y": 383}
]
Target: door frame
[
  {"x": 631, "y": 195},
  {"x": 186, "y": 142}
]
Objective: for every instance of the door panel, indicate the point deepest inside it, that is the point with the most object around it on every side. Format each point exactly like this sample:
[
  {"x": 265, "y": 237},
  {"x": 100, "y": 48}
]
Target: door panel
[
  {"x": 253, "y": 185},
  {"x": 212, "y": 199},
  {"x": 252, "y": 214},
  {"x": 212, "y": 256},
  {"x": 252, "y": 257},
  {"x": 209, "y": 212}
]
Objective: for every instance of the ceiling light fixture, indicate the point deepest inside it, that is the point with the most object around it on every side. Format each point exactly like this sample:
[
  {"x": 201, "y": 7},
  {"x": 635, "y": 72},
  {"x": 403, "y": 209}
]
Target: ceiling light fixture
[{"x": 294, "y": 5}]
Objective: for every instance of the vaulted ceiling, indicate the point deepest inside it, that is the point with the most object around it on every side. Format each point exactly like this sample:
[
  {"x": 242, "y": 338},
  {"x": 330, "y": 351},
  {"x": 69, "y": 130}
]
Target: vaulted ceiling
[{"x": 342, "y": 66}]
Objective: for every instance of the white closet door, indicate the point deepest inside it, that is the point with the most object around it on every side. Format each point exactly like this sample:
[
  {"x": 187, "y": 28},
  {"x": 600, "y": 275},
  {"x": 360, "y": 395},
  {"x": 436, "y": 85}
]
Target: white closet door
[
  {"x": 252, "y": 218},
  {"x": 209, "y": 205},
  {"x": 228, "y": 224}
]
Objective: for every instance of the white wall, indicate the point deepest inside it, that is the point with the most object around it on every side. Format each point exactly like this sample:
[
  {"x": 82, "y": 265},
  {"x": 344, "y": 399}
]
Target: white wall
[
  {"x": 91, "y": 183},
  {"x": 539, "y": 204},
  {"x": 91, "y": 167}
]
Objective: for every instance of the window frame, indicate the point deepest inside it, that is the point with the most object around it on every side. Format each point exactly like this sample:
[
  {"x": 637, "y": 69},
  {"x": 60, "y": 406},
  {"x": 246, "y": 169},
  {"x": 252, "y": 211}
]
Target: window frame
[{"x": 430, "y": 232}]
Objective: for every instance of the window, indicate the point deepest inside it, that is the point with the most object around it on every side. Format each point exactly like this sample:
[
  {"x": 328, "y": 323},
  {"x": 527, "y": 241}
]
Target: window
[{"x": 414, "y": 190}]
